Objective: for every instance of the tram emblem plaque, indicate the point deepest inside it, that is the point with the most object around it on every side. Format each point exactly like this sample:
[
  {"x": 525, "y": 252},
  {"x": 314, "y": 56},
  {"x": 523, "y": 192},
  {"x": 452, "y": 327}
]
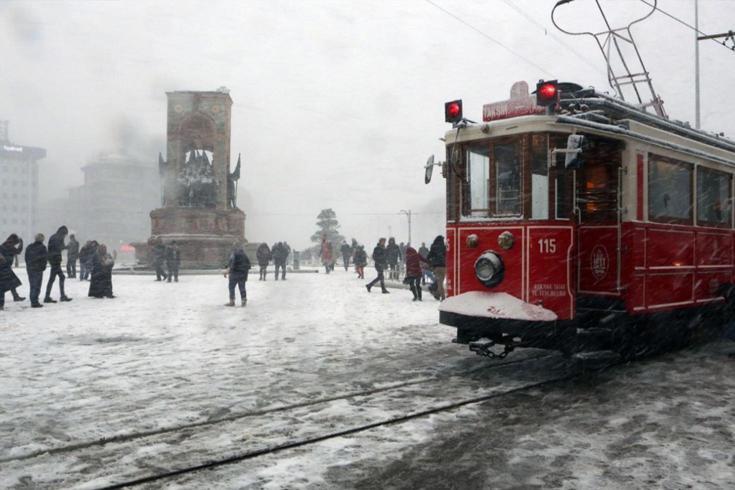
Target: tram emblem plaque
[{"x": 600, "y": 262}]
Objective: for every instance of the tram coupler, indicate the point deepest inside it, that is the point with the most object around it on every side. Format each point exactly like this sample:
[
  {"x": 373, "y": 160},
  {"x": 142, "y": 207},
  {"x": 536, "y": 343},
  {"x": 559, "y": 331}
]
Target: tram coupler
[{"x": 483, "y": 347}]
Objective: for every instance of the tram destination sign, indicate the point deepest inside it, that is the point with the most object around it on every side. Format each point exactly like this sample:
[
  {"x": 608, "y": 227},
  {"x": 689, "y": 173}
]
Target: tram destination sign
[{"x": 521, "y": 103}]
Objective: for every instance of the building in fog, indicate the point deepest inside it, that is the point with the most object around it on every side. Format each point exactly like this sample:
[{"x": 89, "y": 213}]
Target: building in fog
[
  {"x": 113, "y": 204},
  {"x": 18, "y": 187}
]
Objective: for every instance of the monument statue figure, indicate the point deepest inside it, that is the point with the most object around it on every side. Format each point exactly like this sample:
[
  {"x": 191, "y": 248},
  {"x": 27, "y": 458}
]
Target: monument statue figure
[{"x": 232, "y": 179}]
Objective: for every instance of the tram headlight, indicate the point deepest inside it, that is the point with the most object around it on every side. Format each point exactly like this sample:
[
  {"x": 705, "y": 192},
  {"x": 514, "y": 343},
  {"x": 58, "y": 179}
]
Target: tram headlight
[{"x": 489, "y": 269}]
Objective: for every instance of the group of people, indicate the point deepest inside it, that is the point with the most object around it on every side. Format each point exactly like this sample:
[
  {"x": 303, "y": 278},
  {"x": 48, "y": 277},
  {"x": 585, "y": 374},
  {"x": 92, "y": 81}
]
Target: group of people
[
  {"x": 168, "y": 255},
  {"x": 95, "y": 262},
  {"x": 416, "y": 262},
  {"x": 278, "y": 253}
]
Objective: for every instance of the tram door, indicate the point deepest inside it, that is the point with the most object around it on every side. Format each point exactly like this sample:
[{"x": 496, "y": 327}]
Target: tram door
[{"x": 597, "y": 197}]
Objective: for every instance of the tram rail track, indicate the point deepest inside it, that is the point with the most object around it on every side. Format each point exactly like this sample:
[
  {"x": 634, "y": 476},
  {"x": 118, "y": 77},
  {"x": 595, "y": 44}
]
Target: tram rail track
[
  {"x": 251, "y": 413},
  {"x": 210, "y": 444}
]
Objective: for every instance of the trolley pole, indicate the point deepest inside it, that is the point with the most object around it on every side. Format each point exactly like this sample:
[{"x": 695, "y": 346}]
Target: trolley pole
[
  {"x": 697, "y": 118},
  {"x": 408, "y": 214}
]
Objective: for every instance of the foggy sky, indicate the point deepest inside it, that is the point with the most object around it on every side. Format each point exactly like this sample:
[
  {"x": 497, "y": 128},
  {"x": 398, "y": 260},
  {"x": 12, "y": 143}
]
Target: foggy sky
[{"x": 336, "y": 103}]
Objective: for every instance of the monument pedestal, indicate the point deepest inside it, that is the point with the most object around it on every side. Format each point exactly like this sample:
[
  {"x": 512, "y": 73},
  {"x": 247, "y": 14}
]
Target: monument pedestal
[{"x": 204, "y": 236}]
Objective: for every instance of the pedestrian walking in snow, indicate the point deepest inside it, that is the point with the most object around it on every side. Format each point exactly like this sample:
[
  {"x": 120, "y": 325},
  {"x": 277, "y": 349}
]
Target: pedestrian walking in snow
[
  {"x": 437, "y": 260},
  {"x": 84, "y": 254},
  {"x": 392, "y": 255},
  {"x": 360, "y": 261},
  {"x": 36, "y": 259},
  {"x": 238, "y": 268},
  {"x": 278, "y": 251},
  {"x": 325, "y": 252},
  {"x": 346, "y": 253},
  {"x": 159, "y": 257},
  {"x": 380, "y": 263},
  {"x": 264, "y": 256},
  {"x": 72, "y": 254},
  {"x": 173, "y": 261},
  {"x": 424, "y": 252},
  {"x": 8, "y": 280},
  {"x": 100, "y": 284},
  {"x": 413, "y": 271},
  {"x": 56, "y": 246},
  {"x": 10, "y": 250},
  {"x": 285, "y": 252}
]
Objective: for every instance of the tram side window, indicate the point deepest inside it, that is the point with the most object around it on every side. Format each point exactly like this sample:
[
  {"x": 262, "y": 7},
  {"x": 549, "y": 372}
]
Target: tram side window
[
  {"x": 713, "y": 198},
  {"x": 478, "y": 168},
  {"x": 669, "y": 190}
]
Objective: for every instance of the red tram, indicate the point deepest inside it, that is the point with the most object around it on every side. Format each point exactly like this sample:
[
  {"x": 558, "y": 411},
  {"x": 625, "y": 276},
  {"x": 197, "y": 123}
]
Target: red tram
[{"x": 579, "y": 222}]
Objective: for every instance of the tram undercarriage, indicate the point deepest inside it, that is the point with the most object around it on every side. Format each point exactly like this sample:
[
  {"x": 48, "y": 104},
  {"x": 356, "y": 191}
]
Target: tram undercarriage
[{"x": 611, "y": 333}]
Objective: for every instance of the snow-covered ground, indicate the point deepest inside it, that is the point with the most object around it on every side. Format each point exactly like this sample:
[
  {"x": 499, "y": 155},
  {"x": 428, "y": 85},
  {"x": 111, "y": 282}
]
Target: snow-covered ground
[{"x": 171, "y": 378}]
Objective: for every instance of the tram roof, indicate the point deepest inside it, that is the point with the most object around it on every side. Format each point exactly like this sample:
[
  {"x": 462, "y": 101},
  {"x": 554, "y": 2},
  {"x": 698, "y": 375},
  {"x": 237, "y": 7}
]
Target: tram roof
[{"x": 591, "y": 112}]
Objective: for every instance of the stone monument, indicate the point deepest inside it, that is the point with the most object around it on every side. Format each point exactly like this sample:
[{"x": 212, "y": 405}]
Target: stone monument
[{"x": 199, "y": 201}]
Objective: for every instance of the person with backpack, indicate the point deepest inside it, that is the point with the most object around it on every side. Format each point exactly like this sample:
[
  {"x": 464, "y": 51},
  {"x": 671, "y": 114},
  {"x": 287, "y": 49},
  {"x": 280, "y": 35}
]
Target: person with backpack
[
  {"x": 437, "y": 261},
  {"x": 263, "y": 254},
  {"x": 379, "y": 259},
  {"x": 238, "y": 268}
]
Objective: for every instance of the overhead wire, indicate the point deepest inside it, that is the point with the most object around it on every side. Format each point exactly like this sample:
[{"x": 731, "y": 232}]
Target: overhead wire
[
  {"x": 579, "y": 55},
  {"x": 488, "y": 37},
  {"x": 686, "y": 24}
]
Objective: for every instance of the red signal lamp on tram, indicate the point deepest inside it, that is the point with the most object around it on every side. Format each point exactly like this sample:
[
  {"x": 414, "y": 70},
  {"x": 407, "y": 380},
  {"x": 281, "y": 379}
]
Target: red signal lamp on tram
[
  {"x": 453, "y": 111},
  {"x": 547, "y": 93}
]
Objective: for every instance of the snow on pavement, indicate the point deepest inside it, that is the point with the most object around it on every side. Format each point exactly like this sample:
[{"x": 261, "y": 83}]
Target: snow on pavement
[{"x": 162, "y": 355}]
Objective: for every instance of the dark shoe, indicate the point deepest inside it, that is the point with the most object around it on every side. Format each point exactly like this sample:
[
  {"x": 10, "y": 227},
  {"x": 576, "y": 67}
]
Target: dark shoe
[
  {"x": 368, "y": 287},
  {"x": 231, "y": 303},
  {"x": 415, "y": 299},
  {"x": 244, "y": 302},
  {"x": 169, "y": 280},
  {"x": 49, "y": 300},
  {"x": 385, "y": 291},
  {"x": 36, "y": 305},
  {"x": 65, "y": 299},
  {"x": 19, "y": 298},
  {"x": 176, "y": 280}
]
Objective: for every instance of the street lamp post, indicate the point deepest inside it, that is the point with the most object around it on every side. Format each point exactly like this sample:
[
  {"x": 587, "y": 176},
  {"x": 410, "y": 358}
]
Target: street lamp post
[{"x": 407, "y": 213}]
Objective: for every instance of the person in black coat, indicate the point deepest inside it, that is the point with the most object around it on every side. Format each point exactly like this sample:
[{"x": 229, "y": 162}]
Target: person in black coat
[
  {"x": 84, "y": 256},
  {"x": 72, "y": 254},
  {"x": 100, "y": 283},
  {"x": 279, "y": 253},
  {"x": 360, "y": 260},
  {"x": 380, "y": 262},
  {"x": 238, "y": 268},
  {"x": 10, "y": 249},
  {"x": 159, "y": 257},
  {"x": 346, "y": 254},
  {"x": 36, "y": 258},
  {"x": 8, "y": 280},
  {"x": 392, "y": 256},
  {"x": 264, "y": 257},
  {"x": 55, "y": 247},
  {"x": 173, "y": 261},
  {"x": 438, "y": 262}
]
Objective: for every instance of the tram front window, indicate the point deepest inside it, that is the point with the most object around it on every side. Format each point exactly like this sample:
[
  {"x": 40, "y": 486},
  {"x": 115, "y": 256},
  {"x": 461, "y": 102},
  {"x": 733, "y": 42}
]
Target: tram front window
[{"x": 493, "y": 186}]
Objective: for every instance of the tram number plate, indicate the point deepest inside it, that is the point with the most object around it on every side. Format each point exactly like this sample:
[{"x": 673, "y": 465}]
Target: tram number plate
[{"x": 547, "y": 245}]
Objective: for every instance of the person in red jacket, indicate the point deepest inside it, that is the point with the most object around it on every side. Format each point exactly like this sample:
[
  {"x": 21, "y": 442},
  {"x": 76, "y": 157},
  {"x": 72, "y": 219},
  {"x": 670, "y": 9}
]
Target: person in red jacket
[{"x": 413, "y": 271}]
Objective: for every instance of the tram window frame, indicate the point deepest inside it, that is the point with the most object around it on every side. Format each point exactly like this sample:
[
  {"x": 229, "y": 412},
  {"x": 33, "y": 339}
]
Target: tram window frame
[
  {"x": 656, "y": 186},
  {"x": 491, "y": 209},
  {"x": 539, "y": 176},
  {"x": 701, "y": 206}
]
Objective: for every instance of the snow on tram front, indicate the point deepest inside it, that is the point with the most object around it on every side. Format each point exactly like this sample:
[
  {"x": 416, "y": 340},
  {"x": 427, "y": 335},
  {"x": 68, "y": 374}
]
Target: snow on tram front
[{"x": 579, "y": 222}]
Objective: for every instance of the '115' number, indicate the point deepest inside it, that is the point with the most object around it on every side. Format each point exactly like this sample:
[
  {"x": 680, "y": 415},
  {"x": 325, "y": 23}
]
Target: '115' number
[{"x": 547, "y": 245}]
